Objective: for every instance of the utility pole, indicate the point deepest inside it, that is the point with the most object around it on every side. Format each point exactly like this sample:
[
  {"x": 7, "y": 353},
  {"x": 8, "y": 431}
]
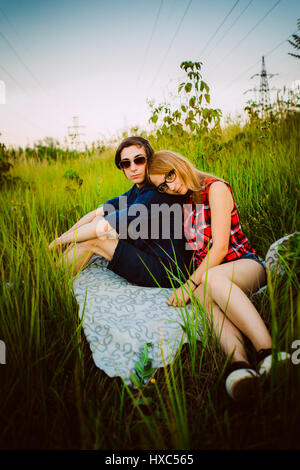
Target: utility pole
[
  {"x": 73, "y": 132},
  {"x": 263, "y": 90}
]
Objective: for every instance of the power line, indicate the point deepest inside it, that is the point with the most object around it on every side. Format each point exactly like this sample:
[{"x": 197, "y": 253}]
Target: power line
[
  {"x": 257, "y": 62},
  {"x": 28, "y": 121},
  {"x": 220, "y": 25},
  {"x": 21, "y": 60},
  {"x": 10, "y": 24},
  {"x": 171, "y": 43},
  {"x": 26, "y": 67},
  {"x": 150, "y": 40},
  {"x": 249, "y": 32},
  {"x": 15, "y": 30},
  {"x": 231, "y": 26},
  {"x": 14, "y": 80},
  {"x": 31, "y": 123}
]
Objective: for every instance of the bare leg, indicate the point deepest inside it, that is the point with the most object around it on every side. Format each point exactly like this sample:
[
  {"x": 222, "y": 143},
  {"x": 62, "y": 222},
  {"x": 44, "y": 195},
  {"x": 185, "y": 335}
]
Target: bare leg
[
  {"x": 227, "y": 284},
  {"x": 77, "y": 255},
  {"x": 98, "y": 227},
  {"x": 231, "y": 339},
  {"x": 89, "y": 218}
]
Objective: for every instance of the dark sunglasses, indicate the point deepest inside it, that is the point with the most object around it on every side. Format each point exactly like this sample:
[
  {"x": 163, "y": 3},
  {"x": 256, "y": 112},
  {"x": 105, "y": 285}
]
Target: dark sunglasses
[
  {"x": 169, "y": 178},
  {"x": 138, "y": 160}
]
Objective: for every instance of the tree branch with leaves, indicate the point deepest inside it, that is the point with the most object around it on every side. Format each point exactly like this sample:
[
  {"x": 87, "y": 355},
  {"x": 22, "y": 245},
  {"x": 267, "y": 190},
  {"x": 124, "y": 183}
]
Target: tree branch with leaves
[
  {"x": 296, "y": 42},
  {"x": 193, "y": 114}
]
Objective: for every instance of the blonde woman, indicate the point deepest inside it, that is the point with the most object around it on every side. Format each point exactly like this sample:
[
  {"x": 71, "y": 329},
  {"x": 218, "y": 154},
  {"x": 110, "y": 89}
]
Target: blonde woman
[{"x": 227, "y": 266}]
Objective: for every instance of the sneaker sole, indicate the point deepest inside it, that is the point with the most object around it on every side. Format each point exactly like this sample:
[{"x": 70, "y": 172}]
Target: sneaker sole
[
  {"x": 242, "y": 384},
  {"x": 266, "y": 365}
]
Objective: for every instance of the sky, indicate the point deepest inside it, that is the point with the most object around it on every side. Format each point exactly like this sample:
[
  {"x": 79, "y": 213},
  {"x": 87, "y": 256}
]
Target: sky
[{"x": 102, "y": 60}]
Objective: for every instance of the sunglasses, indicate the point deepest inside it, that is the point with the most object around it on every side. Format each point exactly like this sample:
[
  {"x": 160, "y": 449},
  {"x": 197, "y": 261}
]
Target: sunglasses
[
  {"x": 169, "y": 178},
  {"x": 138, "y": 160}
]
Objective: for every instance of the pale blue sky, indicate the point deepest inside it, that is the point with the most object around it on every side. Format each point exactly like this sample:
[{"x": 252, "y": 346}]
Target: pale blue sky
[{"x": 101, "y": 60}]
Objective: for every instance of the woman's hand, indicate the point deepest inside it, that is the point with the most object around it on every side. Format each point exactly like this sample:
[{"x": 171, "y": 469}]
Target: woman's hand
[
  {"x": 182, "y": 294},
  {"x": 56, "y": 243},
  {"x": 62, "y": 240}
]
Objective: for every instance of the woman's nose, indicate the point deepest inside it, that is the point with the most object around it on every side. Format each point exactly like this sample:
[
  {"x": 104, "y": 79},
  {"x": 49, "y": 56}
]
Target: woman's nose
[
  {"x": 171, "y": 186},
  {"x": 133, "y": 166}
]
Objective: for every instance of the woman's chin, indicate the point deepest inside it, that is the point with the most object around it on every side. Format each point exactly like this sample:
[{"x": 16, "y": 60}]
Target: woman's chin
[
  {"x": 182, "y": 191},
  {"x": 137, "y": 180}
]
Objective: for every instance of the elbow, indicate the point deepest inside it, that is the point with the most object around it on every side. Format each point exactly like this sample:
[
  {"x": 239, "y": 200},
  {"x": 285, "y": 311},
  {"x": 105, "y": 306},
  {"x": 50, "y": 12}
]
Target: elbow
[{"x": 221, "y": 251}]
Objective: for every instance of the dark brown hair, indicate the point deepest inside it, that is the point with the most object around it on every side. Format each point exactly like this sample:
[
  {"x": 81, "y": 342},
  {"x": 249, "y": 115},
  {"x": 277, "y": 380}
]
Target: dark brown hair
[{"x": 139, "y": 142}]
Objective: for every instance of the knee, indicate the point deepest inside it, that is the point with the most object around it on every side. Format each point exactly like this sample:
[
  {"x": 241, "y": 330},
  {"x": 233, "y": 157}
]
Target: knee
[
  {"x": 203, "y": 295},
  {"x": 93, "y": 244},
  {"x": 104, "y": 230},
  {"x": 84, "y": 246},
  {"x": 211, "y": 278}
]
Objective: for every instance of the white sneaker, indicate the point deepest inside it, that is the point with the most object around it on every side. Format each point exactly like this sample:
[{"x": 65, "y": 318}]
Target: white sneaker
[
  {"x": 241, "y": 384},
  {"x": 266, "y": 364}
]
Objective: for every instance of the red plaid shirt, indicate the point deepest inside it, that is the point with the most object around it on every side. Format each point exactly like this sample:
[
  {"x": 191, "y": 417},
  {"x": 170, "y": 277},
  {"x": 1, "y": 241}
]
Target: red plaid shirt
[{"x": 197, "y": 228}]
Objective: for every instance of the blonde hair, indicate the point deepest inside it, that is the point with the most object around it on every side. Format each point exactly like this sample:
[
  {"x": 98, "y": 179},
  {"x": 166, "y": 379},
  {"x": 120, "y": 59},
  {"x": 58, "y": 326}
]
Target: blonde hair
[{"x": 165, "y": 160}]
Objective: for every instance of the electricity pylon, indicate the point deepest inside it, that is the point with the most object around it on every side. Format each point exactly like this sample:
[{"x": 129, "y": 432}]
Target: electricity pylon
[
  {"x": 75, "y": 135},
  {"x": 263, "y": 90}
]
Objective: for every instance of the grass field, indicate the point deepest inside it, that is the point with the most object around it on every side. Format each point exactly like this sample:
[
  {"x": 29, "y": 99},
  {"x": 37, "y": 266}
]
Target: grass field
[{"x": 52, "y": 396}]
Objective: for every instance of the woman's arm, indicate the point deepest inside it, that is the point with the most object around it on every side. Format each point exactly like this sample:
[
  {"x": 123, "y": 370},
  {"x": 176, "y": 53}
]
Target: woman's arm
[
  {"x": 86, "y": 219},
  {"x": 97, "y": 212},
  {"x": 97, "y": 228},
  {"x": 221, "y": 205}
]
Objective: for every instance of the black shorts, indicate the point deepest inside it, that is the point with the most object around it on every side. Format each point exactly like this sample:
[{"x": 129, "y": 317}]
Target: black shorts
[{"x": 135, "y": 265}]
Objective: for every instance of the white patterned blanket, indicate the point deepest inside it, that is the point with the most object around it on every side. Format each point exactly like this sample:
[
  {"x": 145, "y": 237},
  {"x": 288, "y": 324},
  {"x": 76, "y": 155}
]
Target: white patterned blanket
[{"x": 119, "y": 318}]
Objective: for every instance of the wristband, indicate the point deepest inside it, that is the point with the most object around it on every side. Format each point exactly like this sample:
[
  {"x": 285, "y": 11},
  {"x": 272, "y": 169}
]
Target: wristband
[{"x": 196, "y": 285}]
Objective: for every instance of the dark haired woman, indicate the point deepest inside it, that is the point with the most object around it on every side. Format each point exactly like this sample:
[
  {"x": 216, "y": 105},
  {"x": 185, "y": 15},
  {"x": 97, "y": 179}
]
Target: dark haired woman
[{"x": 140, "y": 260}]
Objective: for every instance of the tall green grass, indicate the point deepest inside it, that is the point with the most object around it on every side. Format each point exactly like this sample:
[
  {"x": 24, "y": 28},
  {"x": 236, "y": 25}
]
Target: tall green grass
[{"x": 52, "y": 396}]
